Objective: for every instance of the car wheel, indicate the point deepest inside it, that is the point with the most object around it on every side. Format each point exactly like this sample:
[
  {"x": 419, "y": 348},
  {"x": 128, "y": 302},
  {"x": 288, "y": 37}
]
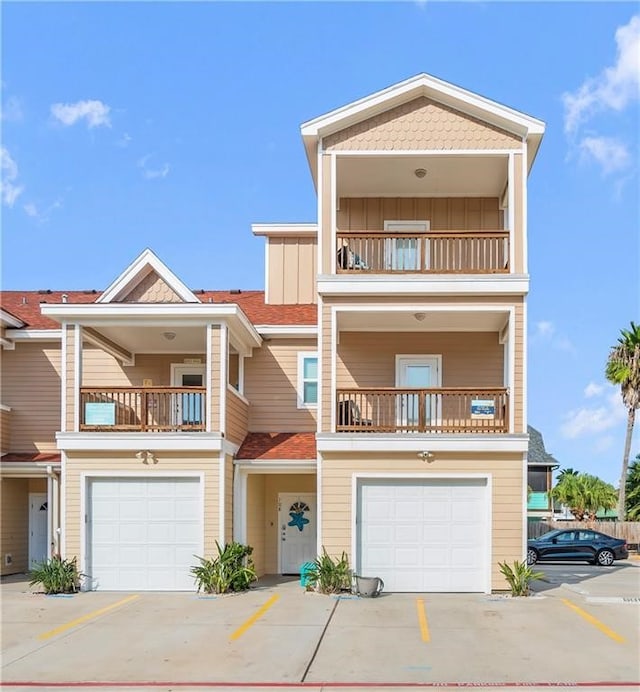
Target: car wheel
[
  {"x": 605, "y": 558},
  {"x": 532, "y": 556}
]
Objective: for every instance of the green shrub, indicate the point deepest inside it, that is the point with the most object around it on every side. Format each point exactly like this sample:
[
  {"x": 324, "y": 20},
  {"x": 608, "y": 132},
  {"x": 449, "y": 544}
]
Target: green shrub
[
  {"x": 328, "y": 575},
  {"x": 56, "y": 575},
  {"x": 232, "y": 570},
  {"x": 519, "y": 577}
]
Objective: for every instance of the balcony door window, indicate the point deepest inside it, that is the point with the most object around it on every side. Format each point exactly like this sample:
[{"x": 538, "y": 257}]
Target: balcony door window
[
  {"x": 415, "y": 409},
  {"x": 404, "y": 254},
  {"x": 187, "y": 407}
]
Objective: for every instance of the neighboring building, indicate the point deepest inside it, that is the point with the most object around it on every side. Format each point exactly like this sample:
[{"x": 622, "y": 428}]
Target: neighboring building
[
  {"x": 540, "y": 468},
  {"x": 372, "y": 400}
]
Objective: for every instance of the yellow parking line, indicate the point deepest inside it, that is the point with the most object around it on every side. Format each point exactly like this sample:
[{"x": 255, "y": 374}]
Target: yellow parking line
[
  {"x": 85, "y": 618},
  {"x": 595, "y": 622},
  {"x": 254, "y": 618},
  {"x": 422, "y": 619}
]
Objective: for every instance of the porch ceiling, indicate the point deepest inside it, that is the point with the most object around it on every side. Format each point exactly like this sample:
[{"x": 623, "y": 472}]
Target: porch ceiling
[
  {"x": 406, "y": 321},
  {"x": 452, "y": 175},
  {"x": 153, "y": 339}
]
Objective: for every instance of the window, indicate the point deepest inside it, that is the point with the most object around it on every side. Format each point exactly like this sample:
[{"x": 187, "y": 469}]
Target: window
[{"x": 307, "y": 379}]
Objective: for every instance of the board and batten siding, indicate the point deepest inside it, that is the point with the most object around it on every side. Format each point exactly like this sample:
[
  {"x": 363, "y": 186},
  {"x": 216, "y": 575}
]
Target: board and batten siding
[
  {"x": 507, "y": 504},
  {"x": 237, "y": 414},
  {"x": 469, "y": 359},
  {"x": 271, "y": 376},
  {"x": 70, "y": 385},
  {"x": 443, "y": 213},
  {"x": 114, "y": 463},
  {"x": 421, "y": 123},
  {"x": 292, "y": 270},
  {"x": 31, "y": 381},
  {"x": 216, "y": 362}
]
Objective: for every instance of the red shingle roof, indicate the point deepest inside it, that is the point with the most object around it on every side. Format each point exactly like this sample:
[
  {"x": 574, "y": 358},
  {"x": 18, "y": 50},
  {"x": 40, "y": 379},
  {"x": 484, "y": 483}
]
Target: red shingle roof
[
  {"x": 28, "y": 456},
  {"x": 25, "y": 305},
  {"x": 278, "y": 446}
]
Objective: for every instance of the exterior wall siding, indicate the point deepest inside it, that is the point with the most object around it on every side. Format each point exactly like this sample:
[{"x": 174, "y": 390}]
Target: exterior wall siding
[
  {"x": 237, "y": 418},
  {"x": 152, "y": 289},
  {"x": 507, "y": 480},
  {"x": 5, "y": 428},
  {"x": 14, "y": 527},
  {"x": 216, "y": 361},
  {"x": 228, "y": 498},
  {"x": 256, "y": 520},
  {"x": 34, "y": 420},
  {"x": 421, "y": 124},
  {"x": 271, "y": 387},
  {"x": 292, "y": 270},
  {"x": 126, "y": 463},
  {"x": 70, "y": 385},
  {"x": 327, "y": 220},
  {"x": 443, "y": 213},
  {"x": 518, "y": 214}
]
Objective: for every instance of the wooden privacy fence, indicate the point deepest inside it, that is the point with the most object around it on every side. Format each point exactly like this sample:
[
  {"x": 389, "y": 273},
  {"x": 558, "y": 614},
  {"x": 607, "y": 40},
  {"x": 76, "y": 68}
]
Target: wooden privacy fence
[{"x": 628, "y": 530}]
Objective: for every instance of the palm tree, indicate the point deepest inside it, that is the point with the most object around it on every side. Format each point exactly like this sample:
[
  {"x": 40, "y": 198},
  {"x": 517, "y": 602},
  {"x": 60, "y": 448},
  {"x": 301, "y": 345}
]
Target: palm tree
[
  {"x": 633, "y": 490},
  {"x": 584, "y": 495},
  {"x": 623, "y": 368}
]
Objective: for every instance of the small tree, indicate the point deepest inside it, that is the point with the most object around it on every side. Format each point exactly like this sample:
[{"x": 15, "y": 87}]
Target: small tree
[
  {"x": 633, "y": 490},
  {"x": 584, "y": 494},
  {"x": 623, "y": 369}
]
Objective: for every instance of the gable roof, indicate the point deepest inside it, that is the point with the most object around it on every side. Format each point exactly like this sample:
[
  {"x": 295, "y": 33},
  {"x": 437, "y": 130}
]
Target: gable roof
[
  {"x": 146, "y": 263},
  {"x": 504, "y": 117}
]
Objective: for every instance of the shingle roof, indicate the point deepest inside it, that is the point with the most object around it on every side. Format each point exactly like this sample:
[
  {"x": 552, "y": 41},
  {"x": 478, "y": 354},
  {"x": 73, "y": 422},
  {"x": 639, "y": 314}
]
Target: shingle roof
[
  {"x": 537, "y": 453},
  {"x": 278, "y": 446},
  {"x": 25, "y": 305}
]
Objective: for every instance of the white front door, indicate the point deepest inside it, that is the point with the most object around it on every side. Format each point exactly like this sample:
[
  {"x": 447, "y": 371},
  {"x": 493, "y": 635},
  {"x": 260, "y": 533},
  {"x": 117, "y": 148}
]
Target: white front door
[
  {"x": 188, "y": 408},
  {"x": 417, "y": 372},
  {"x": 38, "y": 510},
  {"x": 297, "y": 530}
]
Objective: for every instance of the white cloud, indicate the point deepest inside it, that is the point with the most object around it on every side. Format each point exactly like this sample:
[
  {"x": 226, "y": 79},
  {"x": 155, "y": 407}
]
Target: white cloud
[
  {"x": 161, "y": 171},
  {"x": 96, "y": 113},
  {"x": 590, "y": 420},
  {"x": 33, "y": 211},
  {"x": 593, "y": 389},
  {"x": 12, "y": 109},
  {"x": 614, "y": 88},
  {"x": 611, "y": 154},
  {"x": 10, "y": 190},
  {"x": 545, "y": 329}
]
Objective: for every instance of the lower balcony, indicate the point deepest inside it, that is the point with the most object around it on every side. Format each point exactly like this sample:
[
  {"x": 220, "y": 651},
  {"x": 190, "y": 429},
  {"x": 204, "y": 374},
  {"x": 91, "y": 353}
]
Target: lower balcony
[
  {"x": 433, "y": 410},
  {"x": 144, "y": 409}
]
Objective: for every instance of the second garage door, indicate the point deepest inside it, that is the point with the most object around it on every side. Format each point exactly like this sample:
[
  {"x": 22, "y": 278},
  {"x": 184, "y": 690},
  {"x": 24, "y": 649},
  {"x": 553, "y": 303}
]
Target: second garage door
[
  {"x": 143, "y": 533},
  {"x": 422, "y": 536}
]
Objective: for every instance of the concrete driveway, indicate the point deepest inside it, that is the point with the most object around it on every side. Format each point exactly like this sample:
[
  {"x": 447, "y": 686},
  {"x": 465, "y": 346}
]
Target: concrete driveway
[{"x": 278, "y": 635}]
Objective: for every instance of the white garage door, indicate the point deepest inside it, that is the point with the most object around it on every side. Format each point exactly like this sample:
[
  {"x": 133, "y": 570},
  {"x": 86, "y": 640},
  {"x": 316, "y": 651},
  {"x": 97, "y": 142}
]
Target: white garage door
[
  {"x": 424, "y": 535},
  {"x": 143, "y": 534}
]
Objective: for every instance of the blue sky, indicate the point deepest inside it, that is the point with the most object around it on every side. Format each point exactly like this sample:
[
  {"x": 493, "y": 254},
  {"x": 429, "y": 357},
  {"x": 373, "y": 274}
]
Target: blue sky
[{"x": 176, "y": 125}]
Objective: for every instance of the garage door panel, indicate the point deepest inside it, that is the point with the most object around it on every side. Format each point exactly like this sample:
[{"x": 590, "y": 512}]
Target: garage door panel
[
  {"x": 143, "y": 534},
  {"x": 424, "y": 535}
]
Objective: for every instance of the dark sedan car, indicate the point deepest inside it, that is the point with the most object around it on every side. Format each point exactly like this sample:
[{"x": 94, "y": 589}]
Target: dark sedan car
[{"x": 576, "y": 544}]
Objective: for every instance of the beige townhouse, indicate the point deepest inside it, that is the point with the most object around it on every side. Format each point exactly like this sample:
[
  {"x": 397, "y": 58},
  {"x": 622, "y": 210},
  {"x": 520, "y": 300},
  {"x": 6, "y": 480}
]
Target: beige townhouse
[{"x": 371, "y": 400}]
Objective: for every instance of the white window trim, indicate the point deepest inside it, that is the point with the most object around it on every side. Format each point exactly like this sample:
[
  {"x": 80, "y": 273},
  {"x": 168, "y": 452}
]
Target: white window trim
[{"x": 302, "y": 355}]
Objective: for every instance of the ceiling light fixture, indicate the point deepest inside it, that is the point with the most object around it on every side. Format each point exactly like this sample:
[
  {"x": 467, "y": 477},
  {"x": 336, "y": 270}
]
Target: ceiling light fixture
[
  {"x": 169, "y": 336},
  {"x": 420, "y": 172},
  {"x": 419, "y": 316}
]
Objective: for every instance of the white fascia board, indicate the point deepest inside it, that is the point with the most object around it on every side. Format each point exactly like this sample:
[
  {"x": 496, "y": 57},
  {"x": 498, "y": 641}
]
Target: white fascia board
[
  {"x": 507, "y": 284},
  {"x": 415, "y": 442},
  {"x": 119, "y": 442},
  {"x": 277, "y": 465},
  {"x": 430, "y": 87},
  {"x": 27, "y": 469},
  {"x": 287, "y": 331},
  {"x": 279, "y": 230},
  {"x": 147, "y": 259},
  {"x": 36, "y": 335},
  {"x": 9, "y": 320}
]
